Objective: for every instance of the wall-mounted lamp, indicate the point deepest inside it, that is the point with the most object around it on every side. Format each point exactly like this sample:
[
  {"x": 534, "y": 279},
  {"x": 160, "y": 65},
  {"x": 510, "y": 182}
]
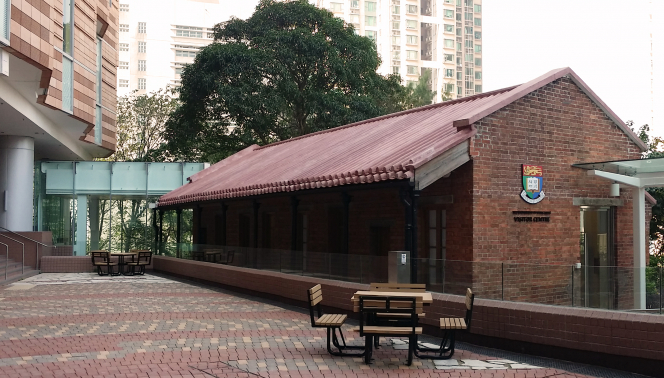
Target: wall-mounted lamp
[{"x": 615, "y": 190}]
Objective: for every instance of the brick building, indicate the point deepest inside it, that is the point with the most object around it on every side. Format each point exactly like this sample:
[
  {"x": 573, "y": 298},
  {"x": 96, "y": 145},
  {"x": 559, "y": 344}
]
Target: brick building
[{"x": 446, "y": 182}]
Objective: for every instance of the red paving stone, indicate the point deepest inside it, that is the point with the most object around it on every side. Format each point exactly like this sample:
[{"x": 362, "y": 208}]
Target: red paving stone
[{"x": 174, "y": 329}]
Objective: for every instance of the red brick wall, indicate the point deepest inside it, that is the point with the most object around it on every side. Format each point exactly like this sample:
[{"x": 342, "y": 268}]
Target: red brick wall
[{"x": 615, "y": 333}]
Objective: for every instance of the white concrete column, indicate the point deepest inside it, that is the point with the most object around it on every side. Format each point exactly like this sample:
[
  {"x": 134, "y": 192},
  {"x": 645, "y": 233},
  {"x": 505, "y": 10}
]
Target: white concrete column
[
  {"x": 639, "y": 235},
  {"x": 80, "y": 246},
  {"x": 17, "y": 163}
]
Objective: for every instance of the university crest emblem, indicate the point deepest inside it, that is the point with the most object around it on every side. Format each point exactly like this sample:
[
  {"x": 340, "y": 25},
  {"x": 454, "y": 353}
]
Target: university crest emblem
[{"x": 532, "y": 183}]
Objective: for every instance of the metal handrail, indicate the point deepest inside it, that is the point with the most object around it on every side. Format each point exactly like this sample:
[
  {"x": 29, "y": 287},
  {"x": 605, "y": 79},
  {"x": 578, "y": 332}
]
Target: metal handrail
[
  {"x": 23, "y": 253},
  {"x": 6, "y": 260},
  {"x": 32, "y": 240}
]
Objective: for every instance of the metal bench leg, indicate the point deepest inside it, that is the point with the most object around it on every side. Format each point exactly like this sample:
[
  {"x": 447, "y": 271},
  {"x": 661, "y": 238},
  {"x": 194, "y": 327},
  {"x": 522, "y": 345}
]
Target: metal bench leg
[
  {"x": 335, "y": 341},
  {"x": 367, "y": 351},
  {"x": 442, "y": 353},
  {"x": 412, "y": 345}
]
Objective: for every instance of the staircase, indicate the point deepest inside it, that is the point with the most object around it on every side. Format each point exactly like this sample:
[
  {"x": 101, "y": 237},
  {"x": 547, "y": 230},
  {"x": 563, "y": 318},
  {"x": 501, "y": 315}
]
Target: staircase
[{"x": 15, "y": 271}]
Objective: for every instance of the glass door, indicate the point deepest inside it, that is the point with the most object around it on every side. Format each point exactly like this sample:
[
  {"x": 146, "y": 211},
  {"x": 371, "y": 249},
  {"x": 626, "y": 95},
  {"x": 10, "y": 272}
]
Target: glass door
[{"x": 598, "y": 256}]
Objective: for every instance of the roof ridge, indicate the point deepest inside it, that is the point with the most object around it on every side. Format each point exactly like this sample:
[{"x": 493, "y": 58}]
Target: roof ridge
[{"x": 392, "y": 115}]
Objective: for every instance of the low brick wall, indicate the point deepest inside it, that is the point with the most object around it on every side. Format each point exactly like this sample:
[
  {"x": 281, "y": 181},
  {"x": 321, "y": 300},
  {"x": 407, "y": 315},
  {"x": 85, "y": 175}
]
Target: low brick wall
[
  {"x": 584, "y": 334},
  {"x": 69, "y": 264}
]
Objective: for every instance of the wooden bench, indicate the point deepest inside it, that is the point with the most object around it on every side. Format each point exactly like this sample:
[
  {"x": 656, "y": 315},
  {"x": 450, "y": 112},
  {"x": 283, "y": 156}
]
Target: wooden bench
[
  {"x": 450, "y": 326},
  {"x": 103, "y": 258},
  {"x": 391, "y": 286},
  {"x": 144, "y": 258},
  {"x": 372, "y": 305},
  {"x": 332, "y": 322}
]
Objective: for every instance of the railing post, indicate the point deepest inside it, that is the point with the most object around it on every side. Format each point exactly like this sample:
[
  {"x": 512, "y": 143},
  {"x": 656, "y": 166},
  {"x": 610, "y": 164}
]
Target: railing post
[
  {"x": 572, "y": 285},
  {"x": 502, "y": 281},
  {"x": 660, "y": 289}
]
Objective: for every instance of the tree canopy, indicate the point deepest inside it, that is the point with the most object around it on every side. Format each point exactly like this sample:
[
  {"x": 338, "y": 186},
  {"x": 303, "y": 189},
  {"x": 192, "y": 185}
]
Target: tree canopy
[{"x": 288, "y": 70}]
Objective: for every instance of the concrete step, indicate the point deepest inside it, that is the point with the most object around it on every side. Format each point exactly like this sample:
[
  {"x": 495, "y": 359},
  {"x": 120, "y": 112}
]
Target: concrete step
[{"x": 15, "y": 271}]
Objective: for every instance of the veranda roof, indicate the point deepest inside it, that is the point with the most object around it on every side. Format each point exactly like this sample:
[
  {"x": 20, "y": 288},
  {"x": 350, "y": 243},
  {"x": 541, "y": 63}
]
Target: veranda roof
[{"x": 391, "y": 147}]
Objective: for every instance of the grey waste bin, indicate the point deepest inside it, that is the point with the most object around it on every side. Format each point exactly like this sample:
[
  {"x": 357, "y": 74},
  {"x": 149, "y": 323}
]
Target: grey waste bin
[{"x": 398, "y": 267}]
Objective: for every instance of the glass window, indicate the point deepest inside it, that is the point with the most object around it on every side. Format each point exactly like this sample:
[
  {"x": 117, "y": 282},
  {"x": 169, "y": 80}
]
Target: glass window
[
  {"x": 449, "y": 57},
  {"x": 396, "y": 40},
  {"x": 124, "y": 65},
  {"x": 142, "y": 28},
  {"x": 469, "y": 43},
  {"x": 458, "y": 60},
  {"x": 478, "y": 35},
  {"x": 370, "y": 20},
  {"x": 124, "y": 83},
  {"x": 99, "y": 67},
  {"x": 124, "y": 47},
  {"x": 5, "y": 21},
  {"x": 396, "y": 55},
  {"x": 395, "y": 70},
  {"x": 458, "y": 16},
  {"x": 469, "y": 85},
  {"x": 411, "y": 39},
  {"x": 142, "y": 83},
  {"x": 142, "y": 47},
  {"x": 370, "y": 6},
  {"x": 469, "y": 30},
  {"x": 448, "y": 13},
  {"x": 459, "y": 91},
  {"x": 459, "y": 46},
  {"x": 185, "y": 53},
  {"x": 449, "y": 43},
  {"x": 478, "y": 89},
  {"x": 178, "y": 70},
  {"x": 411, "y": 54},
  {"x": 478, "y": 8},
  {"x": 354, "y": 18},
  {"x": 469, "y": 71},
  {"x": 336, "y": 7},
  {"x": 449, "y": 72},
  {"x": 478, "y": 75},
  {"x": 412, "y": 70},
  {"x": 468, "y": 16},
  {"x": 395, "y": 25},
  {"x": 68, "y": 27},
  {"x": 478, "y": 22},
  {"x": 449, "y": 28},
  {"x": 396, "y": 9},
  {"x": 459, "y": 75},
  {"x": 412, "y": 9},
  {"x": 478, "y": 62},
  {"x": 458, "y": 32},
  {"x": 142, "y": 65},
  {"x": 354, "y": 4},
  {"x": 411, "y": 24},
  {"x": 124, "y": 28},
  {"x": 67, "y": 84},
  {"x": 449, "y": 88},
  {"x": 478, "y": 48},
  {"x": 188, "y": 31},
  {"x": 469, "y": 57},
  {"x": 124, "y": 7},
  {"x": 371, "y": 34}
]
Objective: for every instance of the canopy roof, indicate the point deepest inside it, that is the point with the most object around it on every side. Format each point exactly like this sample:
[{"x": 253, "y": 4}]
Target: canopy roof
[
  {"x": 391, "y": 147},
  {"x": 626, "y": 167}
]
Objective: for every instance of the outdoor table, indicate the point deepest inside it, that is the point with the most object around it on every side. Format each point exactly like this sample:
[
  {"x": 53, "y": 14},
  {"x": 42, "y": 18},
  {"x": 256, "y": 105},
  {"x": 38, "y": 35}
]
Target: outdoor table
[
  {"x": 425, "y": 297},
  {"x": 121, "y": 259}
]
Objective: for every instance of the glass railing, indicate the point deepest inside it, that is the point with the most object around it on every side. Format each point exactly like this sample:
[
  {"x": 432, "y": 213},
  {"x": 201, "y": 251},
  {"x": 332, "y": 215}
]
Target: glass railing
[{"x": 614, "y": 288}]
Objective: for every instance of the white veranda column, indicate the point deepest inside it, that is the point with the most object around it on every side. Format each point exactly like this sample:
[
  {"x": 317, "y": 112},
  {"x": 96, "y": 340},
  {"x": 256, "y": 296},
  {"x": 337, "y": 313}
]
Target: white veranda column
[
  {"x": 80, "y": 246},
  {"x": 639, "y": 234},
  {"x": 17, "y": 163}
]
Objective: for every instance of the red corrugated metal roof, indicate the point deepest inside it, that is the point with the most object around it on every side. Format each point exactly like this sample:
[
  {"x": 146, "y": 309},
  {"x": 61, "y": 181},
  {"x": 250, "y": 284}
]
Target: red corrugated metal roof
[{"x": 386, "y": 148}]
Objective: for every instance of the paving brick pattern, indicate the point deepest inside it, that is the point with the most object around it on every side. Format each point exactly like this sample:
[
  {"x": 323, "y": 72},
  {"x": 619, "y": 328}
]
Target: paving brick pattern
[{"x": 79, "y": 326}]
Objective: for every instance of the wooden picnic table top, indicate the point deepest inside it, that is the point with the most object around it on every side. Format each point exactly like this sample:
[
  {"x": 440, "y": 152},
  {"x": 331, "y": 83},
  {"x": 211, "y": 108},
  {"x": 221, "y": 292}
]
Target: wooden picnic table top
[
  {"x": 123, "y": 253},
  {"x": 426, "y": 296}
]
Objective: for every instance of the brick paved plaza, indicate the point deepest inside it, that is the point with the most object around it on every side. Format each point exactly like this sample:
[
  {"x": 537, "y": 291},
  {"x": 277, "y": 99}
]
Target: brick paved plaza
[{"x": 82, "y": 325}]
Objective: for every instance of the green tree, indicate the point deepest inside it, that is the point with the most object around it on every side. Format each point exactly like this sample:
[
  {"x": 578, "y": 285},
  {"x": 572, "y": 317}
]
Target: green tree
[
  {"x": 288, "y": 70},
  {"x": 420, "y": 93}
]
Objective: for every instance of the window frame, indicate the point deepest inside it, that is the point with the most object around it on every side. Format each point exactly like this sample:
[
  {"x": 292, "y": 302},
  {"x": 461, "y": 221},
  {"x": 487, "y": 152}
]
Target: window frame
[
  {"x": 142, "y": 65},
  {"x": 142, "y": 47},
  {"x": 142, "y": 28},
  {"x": 408, "y": 55},
  {"x": 144, "y": 81},
  {"x": 373, "y": 18},
  {"x": 6, "y": 15},
  {"x": 410, "y": 22}
]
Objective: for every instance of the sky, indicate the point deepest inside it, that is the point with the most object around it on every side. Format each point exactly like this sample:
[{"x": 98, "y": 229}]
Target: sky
[{"x": 606, "y": 42}]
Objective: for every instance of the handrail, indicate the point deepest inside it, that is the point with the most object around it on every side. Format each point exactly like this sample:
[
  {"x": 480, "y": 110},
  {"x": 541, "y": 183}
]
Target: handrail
[
  {"x": 23, "y": 254},
  {"x": 32, "y": 240},
  {"x": 6, "y": 260}
]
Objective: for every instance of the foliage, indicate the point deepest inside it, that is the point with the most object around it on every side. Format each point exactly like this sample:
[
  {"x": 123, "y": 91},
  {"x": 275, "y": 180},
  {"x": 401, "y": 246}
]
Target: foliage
[
  {"x": 420, "y": 94},
  {"x": 288, "y": 70}
]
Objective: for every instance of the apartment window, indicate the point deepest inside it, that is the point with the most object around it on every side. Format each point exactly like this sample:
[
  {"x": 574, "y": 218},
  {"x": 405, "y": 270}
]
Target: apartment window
[
  {"x": 459, "y": 46},
  {"x": 459, "y": 75},
  {"x": 5, "y": 21},
  {"x": 458, "y": 32},
  {"x": 478, "y": 8},
  {"x": 370, "y": 20},
  {"x": 478, "y": 89},
  {"x": 478, "y": 75},
  {"x": 449, "y": 57},
  {"x": 449, "y": 72},
  {"x": 396, "y": 9},
  {"x": 336, "y": 7},
  {"x": 449, "y": 43},
  {"x": 370, "y": 6},
  {"x": 124, "y": 47},
  {"x": 124, "y": 28},
  {"x": 411, "y": 54},
  {"x": 68, "y": 27},
  {"x": 449, "y": 28},
  {"x": 411, "y": 24},
  {"x": 124, "y": 65},
  {"x": 142, "y": 65},
  {"x": 478, "y": 48},
  {"x": 469, "y": 57},
  {"x": 142, "y": 47},
  {"x": 469, "y": 85},
  {"x": 185, "y": 53},
  {"x": 411, "y": 39},
  {"x": 396, "y": 40},
  {"x": 395, "y": 70},
  {"x": 458, "y": 60},
  {"x": 142, "y": 28},
  {"x": 478, "y": 62},
  {"x": 354, "y": 18},
  {"x": 458, "y": 16},
  {"x": 449, "y": 88},
  {"x": 124, "y": 83},
  {"x": 469, "y": 71},
  {"x": 412, "y": 9},
  {"x": 67, "y": 84},
  {"x": 188, "y": 31},
  {"x": 371, "y": 34},
  {"x": 124, "y": 7},
  {"x": 449, "y": 2},
  {"x": 178, "y": 70},
  {"x": 448, "y": 13},
  {"x": 355, "y": 4},
  {"x": 412, "y": 70},
  {"x": 396, "y": 55},
  {"x": 468, "y": 44},
  {"x": 469, "y": 30},
  {"x": 459, "y": 91},
  {"x": 478, "y": 35},
  {"x": 468, "y": 16},
  {"x": 142, "y": 83},
  {"x": 395, "y": 25},
  {"x": 478, "y": 22}
]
